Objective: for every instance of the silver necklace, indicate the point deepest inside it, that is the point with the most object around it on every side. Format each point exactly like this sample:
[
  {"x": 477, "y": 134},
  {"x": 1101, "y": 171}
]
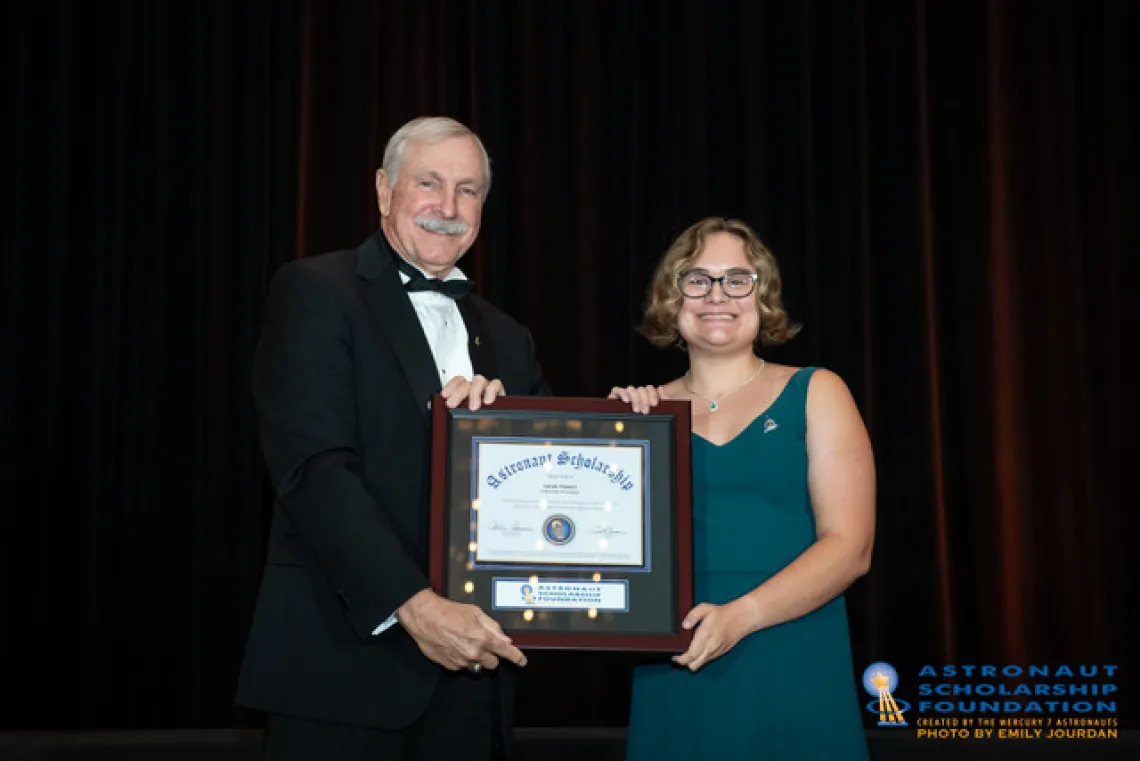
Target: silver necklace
[{"x": 714, "y": 402}]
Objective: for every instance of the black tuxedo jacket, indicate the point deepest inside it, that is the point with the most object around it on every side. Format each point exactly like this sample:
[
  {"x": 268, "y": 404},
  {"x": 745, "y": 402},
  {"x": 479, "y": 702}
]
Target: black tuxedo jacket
[{"x": 342, "y": 383}]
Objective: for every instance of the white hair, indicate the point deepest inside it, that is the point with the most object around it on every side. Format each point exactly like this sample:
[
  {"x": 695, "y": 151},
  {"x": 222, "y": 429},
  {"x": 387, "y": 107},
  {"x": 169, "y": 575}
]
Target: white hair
[{"x": 430, "y": 130}]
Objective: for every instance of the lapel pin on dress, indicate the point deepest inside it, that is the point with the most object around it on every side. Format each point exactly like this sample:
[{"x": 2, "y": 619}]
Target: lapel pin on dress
[{"x": 476, "y": 340}]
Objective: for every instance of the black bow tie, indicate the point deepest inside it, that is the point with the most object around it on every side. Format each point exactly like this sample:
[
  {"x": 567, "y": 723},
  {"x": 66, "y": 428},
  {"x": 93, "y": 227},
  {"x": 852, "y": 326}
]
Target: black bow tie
[{"x": 455, "y": 289}]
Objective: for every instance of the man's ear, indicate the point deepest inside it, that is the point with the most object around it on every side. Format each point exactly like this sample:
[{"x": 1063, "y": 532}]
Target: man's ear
[{"x": 383, "y": 192}]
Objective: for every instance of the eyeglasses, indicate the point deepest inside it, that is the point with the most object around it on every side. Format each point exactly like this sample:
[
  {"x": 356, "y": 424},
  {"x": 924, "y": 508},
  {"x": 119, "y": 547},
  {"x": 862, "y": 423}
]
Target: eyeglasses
[{"x": 736, "y": 284}]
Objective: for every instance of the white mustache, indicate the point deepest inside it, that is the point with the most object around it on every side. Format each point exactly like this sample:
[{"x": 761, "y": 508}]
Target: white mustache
[{"x": 445, "y": 226}]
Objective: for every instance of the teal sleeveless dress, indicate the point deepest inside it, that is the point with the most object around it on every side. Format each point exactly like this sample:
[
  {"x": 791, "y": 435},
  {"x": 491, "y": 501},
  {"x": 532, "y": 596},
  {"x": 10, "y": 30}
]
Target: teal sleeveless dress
[{"x": 787, "y": 692}]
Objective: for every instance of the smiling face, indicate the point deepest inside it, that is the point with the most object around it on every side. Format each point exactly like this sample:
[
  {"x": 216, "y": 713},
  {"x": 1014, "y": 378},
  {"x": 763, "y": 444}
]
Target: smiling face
[
  {"x": 431, "y": 214},
  {"x": 722, "y": 247},
  {"x": 716, "y": 322}
]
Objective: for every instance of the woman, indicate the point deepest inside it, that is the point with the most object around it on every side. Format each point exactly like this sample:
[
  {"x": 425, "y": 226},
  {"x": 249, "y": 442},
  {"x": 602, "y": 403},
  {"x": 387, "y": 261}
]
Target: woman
[{"x": 783, "y": 518}]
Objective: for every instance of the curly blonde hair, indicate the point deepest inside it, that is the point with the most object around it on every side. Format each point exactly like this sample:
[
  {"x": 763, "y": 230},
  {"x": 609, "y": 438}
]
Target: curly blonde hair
[{"x": 663, "y": 304}]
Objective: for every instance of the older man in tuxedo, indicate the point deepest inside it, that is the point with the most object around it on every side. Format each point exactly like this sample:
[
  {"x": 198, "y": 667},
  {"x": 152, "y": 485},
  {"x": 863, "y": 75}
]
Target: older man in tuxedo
[{"x": 351, "y": 654}]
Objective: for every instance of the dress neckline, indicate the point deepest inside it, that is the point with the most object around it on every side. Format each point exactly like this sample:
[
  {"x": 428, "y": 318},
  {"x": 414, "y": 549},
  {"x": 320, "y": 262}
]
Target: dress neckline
[{"x": 759, "y": 415}]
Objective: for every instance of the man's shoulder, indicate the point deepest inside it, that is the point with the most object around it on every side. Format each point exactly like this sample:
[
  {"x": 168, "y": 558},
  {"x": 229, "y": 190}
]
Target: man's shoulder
[
  {"x": 323, "y": 278},
  {"x": 329, "y": 264},
  {"x": 324, "y": 271}
]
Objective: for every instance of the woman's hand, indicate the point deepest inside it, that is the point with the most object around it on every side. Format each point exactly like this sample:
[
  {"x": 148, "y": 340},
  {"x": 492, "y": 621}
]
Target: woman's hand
[
  {"x": 721, "y": 627},
  {"x": 643, "y": 398}
]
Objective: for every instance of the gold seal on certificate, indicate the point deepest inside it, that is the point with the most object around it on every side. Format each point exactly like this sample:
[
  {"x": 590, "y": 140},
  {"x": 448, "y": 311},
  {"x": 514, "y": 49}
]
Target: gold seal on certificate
[{"x": 566, "y": 520}]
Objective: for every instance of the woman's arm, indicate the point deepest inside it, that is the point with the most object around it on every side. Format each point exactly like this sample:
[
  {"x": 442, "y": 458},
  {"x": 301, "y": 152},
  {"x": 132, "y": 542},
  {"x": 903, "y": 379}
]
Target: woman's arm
[{"x": 841, "y": 482}]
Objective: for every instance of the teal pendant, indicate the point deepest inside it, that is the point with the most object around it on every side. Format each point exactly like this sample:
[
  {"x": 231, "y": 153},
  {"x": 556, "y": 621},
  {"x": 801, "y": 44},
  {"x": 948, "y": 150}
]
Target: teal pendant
[{"x": 713, "y": 406}]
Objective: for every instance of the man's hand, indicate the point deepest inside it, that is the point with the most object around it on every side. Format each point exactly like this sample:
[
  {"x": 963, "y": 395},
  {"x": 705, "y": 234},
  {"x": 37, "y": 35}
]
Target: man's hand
[
  {"x": 456, "y": 635},
  {"x": 478, "y": 391}
]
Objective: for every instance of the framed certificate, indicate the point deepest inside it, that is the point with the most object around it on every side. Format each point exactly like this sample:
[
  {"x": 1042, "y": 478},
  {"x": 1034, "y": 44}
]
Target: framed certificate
[{"x": 568, "y": 521}]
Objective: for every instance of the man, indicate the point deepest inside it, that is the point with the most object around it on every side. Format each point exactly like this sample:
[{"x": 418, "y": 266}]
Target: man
[{"x": 351, "y": 654}]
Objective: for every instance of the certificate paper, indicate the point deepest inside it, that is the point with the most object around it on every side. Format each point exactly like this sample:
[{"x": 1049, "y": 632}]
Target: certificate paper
[{"x": 559, "y": 503}]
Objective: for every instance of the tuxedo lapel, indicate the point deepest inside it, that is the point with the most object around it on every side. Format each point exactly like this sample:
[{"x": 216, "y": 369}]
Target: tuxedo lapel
[
  {"x": 480, "y": 342},
  {"x": 389, "y": 303}
]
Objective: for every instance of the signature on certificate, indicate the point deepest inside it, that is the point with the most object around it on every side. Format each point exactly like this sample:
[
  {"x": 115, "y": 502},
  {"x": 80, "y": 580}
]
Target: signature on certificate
[
  {"x": 516, "y": 526},
  {"x": 607, "y": 531}
]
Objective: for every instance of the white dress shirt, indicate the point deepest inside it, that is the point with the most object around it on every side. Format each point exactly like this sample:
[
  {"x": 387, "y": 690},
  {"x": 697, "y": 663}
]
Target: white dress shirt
[{"x": 447, "y": 336}]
